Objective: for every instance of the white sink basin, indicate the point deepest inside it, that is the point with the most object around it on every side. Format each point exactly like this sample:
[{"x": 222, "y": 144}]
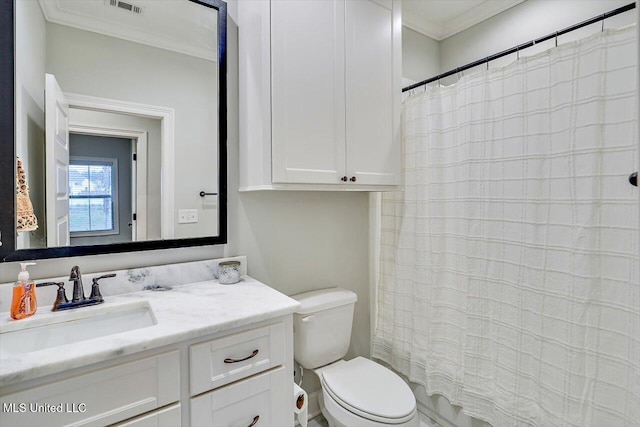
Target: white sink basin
[{"x": 70, "y": 327}]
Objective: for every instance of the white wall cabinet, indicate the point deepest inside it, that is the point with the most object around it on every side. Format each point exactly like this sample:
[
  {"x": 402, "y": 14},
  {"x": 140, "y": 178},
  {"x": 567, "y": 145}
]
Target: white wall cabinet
[{"x": 320, "y": 94}]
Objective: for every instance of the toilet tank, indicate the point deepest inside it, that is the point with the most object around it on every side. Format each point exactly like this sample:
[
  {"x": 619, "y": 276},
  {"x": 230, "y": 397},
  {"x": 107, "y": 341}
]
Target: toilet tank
[{"x": 322, "y": 326}]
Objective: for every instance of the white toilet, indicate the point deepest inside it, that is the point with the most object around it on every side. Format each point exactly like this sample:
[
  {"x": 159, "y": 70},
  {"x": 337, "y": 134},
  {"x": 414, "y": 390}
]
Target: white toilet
[{"x": 355, "y": 393}]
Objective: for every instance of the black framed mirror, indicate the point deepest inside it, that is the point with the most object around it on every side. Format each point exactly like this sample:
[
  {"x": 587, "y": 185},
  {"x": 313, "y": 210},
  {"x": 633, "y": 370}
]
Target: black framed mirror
[{"x": 148, "y": 77}]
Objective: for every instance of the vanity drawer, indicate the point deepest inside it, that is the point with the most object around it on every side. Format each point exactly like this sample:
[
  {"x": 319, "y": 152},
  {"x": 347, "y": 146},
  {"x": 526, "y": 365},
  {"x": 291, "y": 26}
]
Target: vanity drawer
[
  {"x": 261, "y": 398},
  {"x": 222, "y": 361},
  {"x": 100, "y": 397}
]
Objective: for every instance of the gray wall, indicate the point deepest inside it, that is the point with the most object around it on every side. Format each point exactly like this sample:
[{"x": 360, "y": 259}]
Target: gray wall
[
  {"x": 420, "y": 56},
  {"x": 522, "y": 23},
  {"x": 30, "y": 66}
]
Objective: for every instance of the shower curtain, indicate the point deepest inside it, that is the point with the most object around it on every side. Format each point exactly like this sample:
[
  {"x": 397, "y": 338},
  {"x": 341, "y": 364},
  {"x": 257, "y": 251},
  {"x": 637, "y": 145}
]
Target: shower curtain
[{"x": 509, "y": 264}]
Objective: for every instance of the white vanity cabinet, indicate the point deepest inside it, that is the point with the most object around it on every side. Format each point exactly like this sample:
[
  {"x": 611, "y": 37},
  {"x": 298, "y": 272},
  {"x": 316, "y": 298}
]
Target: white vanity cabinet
[
  {"x": 226, "y": 379},
  {"x": 320, "y": 94}
]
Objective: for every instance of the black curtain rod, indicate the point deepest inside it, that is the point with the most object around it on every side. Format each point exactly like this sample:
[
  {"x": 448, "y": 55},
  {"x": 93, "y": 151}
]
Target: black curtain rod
[{"x": 520, "y": 47}]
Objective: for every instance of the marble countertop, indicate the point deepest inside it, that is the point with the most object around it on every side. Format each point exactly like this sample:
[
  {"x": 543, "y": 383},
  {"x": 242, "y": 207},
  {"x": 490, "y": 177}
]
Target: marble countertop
[{"x": 182, "y": 313}]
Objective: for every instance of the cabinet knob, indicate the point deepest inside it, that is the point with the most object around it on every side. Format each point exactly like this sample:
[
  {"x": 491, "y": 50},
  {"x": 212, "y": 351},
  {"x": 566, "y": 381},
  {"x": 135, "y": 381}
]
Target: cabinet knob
[
  {"x": 343, "y": 179},
  {"x": 353, "y": 179}
]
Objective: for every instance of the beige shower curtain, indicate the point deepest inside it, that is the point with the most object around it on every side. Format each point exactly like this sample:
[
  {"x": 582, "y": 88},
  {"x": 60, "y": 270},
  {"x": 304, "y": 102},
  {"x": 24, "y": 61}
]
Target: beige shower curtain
[{"x": 509, "y": 264}]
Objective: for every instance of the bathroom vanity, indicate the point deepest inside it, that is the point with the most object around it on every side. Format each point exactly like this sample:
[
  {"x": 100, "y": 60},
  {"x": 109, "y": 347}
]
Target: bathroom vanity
[{"x": 198, "y": 354}]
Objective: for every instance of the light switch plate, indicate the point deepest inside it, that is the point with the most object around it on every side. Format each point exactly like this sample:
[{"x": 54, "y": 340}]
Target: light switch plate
[{"x": 187, "y": 216}]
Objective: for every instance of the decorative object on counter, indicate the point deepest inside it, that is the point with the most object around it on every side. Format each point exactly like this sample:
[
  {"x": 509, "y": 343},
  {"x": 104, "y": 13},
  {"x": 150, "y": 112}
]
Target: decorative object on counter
[
  {"x": 23, "y": 302},
  {"x": 26, "y": 220},
  {"x": 229, "y": 272}
]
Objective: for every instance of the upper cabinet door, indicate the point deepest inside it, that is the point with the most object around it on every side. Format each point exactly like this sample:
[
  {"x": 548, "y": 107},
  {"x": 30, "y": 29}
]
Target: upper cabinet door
[
  {"x": 373, "y": 55},
  {"x": 308, "y": 90}
]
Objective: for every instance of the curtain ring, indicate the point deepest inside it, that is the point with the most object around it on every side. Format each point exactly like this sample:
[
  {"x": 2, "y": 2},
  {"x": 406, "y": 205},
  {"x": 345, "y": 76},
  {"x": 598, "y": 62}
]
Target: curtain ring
[
  {"x": 487, "y": 59},
  {"x": 604, "y": 16},
  {"x": 458, "y": 73},
  {"x": 556, "y": 39},
  {"x": 518, "y": 53}
]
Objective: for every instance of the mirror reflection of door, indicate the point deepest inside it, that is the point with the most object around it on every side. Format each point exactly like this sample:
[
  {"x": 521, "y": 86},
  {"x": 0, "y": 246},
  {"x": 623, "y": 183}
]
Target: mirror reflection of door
[
  {"x": 57, "y": 162},
  {"x": 100, "y": 189}
]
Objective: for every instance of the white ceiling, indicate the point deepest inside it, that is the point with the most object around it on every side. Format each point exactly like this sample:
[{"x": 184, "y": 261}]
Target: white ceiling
[
  {"x": 440, "y": 19},
  {"x": 177, "y": 25}
]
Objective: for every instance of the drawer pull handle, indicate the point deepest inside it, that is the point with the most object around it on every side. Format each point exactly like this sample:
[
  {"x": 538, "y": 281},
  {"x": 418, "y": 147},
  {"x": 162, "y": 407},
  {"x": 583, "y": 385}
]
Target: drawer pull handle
[
  {"x": 252, "y": 355},
  {"x": 255, "y": 421}
]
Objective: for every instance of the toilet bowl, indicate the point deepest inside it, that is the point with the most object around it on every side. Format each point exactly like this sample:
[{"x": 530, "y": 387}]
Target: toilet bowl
[
  {"x": 362, "y": 393},
  {"x": 355, "y": 393}
]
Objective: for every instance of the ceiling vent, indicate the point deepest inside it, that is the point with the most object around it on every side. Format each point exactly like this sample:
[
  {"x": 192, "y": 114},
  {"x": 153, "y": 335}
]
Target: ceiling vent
[{"x": 125, "y": 6}]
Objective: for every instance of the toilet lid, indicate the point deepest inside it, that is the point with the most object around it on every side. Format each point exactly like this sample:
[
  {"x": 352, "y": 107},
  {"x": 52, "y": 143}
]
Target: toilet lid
[{"x": 370, "y": 390}]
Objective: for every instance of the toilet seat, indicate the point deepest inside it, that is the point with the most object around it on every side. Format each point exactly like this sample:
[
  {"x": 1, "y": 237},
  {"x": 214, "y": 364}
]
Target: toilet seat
[{"x": 369, "y": 390}]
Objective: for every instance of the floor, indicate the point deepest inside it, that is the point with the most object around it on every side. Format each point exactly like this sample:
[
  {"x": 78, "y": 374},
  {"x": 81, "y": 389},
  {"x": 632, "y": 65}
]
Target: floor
[{"x": 319, "y": 421}]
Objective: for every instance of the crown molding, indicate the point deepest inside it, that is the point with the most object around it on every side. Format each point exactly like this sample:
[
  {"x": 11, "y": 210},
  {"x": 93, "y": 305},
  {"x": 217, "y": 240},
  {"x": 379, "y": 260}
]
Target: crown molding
[
  {"x": 440, "y": 31},
  {"x": 54, "y": 13}
]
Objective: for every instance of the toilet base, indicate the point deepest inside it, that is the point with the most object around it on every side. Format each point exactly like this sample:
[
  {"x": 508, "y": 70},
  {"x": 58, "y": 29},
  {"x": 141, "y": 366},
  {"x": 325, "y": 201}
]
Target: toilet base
[{"x": 337, "y": 416}]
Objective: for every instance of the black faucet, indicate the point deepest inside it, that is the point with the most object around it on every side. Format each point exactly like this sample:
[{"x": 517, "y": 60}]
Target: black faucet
[
  {"x": 79, "y": 300},
  {"x": 78, "y": 289}
]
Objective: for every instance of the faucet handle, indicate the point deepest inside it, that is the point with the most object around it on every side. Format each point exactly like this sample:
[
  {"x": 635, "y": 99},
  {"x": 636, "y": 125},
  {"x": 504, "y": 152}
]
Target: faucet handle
[
  {"x": 95, "y": 287},
  {"x": 61, "y": 297},
  {"x": 60, "y": 284}
]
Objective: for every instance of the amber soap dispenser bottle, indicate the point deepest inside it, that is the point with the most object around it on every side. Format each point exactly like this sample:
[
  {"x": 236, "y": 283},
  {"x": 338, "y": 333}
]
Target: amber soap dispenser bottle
[{"x": 23, "y": 303}]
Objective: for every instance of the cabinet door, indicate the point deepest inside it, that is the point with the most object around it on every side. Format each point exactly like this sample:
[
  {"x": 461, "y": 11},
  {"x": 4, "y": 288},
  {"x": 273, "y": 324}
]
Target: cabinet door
[
  {"x": 373, "y": 92},
  {"x": 97, "y": 398},
  {"x": 308, "y": 117},
  {"x": 261, "y": 400}
]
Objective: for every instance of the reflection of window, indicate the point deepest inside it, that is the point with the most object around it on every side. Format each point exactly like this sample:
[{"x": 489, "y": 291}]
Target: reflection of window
[{"x": 92, "y": 196}]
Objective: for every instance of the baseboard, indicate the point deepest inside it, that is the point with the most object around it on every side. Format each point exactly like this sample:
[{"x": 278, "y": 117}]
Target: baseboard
[
  {"x": 423, "y": 409},
  {"x": 314, "y": 404}
]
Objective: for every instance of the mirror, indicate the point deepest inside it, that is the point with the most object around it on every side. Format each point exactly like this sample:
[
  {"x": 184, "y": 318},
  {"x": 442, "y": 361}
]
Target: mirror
[{"x": 120, "y": 127}]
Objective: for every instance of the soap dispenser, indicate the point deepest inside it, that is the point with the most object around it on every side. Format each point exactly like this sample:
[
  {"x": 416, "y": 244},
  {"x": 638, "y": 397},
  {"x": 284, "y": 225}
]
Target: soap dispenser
[{"x": 23, "y": 303}]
